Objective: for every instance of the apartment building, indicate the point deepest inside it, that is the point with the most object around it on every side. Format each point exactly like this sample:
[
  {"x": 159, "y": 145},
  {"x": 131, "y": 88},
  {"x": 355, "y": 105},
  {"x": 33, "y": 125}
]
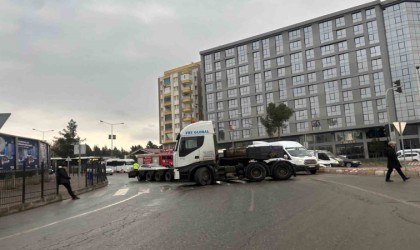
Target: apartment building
[
  {"x": 336, "y": 72},
  {"x": 179, "y": 101}
]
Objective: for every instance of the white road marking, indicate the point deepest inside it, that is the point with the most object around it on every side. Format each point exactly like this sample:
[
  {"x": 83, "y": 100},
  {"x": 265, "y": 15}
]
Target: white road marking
[
  {"x": 122, "y": 191},
  {"x": 98, "y": 194},
  {"x": 75, "y": 216},
  {"x": 251, "y": 206},
  {"x": 374, "y": 193}
]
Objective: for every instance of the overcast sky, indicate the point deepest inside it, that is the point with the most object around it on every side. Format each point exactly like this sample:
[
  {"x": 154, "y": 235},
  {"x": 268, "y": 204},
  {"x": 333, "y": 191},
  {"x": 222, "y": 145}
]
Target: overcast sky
[{"x": 92, "y": 60}]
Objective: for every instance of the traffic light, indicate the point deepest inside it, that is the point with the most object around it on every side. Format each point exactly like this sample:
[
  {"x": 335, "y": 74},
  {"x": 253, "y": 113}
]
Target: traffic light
[{"x": 397, "y": 86}]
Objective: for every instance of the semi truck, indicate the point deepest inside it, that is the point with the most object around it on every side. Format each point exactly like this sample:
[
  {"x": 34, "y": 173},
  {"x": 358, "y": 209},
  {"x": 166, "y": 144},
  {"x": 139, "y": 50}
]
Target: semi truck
[{"x": 197, "y": 159}]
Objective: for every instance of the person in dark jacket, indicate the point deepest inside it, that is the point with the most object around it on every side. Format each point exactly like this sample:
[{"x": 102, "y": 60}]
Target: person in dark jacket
[
  {"x": 64, "y": 179},
  {"x": 393, "y": 162}
]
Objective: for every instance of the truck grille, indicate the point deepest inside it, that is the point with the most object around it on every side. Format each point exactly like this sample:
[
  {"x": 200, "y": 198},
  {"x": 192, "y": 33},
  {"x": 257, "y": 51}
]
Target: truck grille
[{"x": 310, "y": 162}]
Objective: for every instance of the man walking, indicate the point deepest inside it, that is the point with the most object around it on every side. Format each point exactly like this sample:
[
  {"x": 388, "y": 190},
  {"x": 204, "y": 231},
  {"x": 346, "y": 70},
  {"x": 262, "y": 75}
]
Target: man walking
[
  {"x": 64, "y": 179},
  {"x": 393, "y": 162}
]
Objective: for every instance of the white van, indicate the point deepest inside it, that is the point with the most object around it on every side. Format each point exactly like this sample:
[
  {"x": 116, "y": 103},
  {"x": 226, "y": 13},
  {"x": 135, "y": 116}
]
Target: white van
[{"x": 297, "y": 154}]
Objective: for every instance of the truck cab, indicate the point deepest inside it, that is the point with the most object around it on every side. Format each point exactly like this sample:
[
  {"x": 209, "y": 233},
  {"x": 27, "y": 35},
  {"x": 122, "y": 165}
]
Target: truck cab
[{"x": 196, "y": 146}]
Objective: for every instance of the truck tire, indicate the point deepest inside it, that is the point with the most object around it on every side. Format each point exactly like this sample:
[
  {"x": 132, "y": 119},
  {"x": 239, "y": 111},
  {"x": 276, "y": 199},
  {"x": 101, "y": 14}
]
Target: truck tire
[
  {"x": 158, "y": 176},
  {"x": 167, "y": 176},
  {"x": 313, "y": 171},
  {"x": 282, "y": 171},
  {"x": 139, "y": 178},
  {"x": 149, "y": 176},
  {"x": 255, "y": 171},
  {"x": 203, "y": 176}
]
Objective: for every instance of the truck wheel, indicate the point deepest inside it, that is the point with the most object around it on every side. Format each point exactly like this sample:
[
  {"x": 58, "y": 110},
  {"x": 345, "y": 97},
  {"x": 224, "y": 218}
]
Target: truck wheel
[
  {"x": 149, "y": 176},
  {"x": 139, "y": 177},
  {"x": 282, "y": 172},
  {"x": 255, "y": 172},
  {"x": 167, "y": 176},
  {"x": 158, "y": 176},
  {"x": 203, "y": 176},
  {"x": 313, "y": 171}
]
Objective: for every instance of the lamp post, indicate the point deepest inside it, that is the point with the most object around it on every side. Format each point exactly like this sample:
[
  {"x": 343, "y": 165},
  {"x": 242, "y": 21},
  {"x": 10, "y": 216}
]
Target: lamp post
[
  {"x": 112, "y": 132},
  {"x": 43, "y": 131}
]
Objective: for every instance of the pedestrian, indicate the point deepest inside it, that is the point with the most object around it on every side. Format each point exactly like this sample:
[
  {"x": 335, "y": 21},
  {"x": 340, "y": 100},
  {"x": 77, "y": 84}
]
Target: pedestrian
[
  {"x": 64, "y": 179},
  {"x": 393, "y": 162},
  {"x": 136, "y": 166}
]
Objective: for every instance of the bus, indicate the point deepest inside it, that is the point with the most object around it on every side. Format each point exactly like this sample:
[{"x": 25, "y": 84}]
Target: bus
[{"x": 120, "y": 165}]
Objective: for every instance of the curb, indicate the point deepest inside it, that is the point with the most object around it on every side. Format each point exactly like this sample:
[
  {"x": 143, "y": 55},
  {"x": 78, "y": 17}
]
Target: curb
[{"x": 377, "y": 171}]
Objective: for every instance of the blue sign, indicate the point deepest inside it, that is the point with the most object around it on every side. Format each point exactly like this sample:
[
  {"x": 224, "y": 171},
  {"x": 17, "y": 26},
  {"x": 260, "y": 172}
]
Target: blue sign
[{"x": 7, "y": 152}]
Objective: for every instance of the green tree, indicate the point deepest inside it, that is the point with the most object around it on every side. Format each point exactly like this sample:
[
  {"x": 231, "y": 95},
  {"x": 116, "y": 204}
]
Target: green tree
[
  {"x": 276, "y": 117},
  {"x": 63, "y": 146},
  {"x": 151, "y": 145}
]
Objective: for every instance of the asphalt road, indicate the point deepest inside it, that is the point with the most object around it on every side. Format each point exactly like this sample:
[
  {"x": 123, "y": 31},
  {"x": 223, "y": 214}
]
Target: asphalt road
[{"x": 308, "y": 212}]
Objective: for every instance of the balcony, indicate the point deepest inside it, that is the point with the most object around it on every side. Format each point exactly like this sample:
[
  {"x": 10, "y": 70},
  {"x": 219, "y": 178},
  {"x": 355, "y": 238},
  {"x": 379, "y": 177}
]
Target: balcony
[
  {"x": 187, "y": 109},
  {"x": 186, "y": 91},
  {"x": 168, "y": 122},
  {"x": 167, "y": 103},
  {"x": 186, "y": 119},
  {"x": 168, "y": 112},
  {"x": 186, "y": 99},
  {"x": 186, "y": 81},
  {"x": 168, "y": 130}
]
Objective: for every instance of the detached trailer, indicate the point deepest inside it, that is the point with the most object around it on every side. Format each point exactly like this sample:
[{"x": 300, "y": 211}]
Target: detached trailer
[{"x": 196, "y": 159}]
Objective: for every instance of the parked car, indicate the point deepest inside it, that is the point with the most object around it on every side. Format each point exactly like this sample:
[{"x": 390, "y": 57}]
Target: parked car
[
  {"x": 109, "y": 171},
  {"x": 350, "y": 163},
  {"x": 414, "y": 156},
  {"x": 323, "y": 159}
]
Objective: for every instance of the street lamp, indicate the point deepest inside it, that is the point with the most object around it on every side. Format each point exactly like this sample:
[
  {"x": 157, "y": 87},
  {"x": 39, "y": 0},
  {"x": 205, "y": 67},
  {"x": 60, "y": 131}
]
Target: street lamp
[
  {"x": 112, "y": 132},
  {"x": 43, "y": 131}
]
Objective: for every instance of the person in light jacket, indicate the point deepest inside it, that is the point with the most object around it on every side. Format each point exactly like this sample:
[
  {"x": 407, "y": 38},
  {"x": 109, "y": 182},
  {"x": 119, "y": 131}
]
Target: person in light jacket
[
  {"x": 64, "y": 179},
  {"x": 393, "y": 162}
]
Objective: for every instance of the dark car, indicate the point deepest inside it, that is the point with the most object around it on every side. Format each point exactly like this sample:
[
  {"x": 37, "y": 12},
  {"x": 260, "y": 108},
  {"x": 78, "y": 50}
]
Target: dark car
[{"x": 350, "y": 163}]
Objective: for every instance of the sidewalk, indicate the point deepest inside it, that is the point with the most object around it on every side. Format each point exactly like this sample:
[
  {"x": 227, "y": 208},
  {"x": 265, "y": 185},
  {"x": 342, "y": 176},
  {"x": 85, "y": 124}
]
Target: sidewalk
[{"x": 411, "y": 169}]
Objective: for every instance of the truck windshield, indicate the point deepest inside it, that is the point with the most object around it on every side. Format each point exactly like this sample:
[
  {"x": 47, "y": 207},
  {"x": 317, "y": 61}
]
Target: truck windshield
[{"x": 298, "y": 151}]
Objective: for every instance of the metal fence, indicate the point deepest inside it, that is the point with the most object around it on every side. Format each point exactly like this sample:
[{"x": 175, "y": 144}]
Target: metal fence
[{"x": 24, "y": 186}]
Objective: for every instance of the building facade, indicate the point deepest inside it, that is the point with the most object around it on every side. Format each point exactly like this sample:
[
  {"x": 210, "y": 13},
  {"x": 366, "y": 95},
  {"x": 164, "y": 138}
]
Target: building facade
[
  {"x": 336, "y": 72},
  {"x": 179, "y": 101}
]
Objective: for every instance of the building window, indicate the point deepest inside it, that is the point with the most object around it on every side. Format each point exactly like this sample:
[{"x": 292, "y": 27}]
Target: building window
[
  {"x": 209, "y": 87},
  {"x": 341, "y": 33},
  {"x": 373, "y": 35},
  {"x": 242, "y": 54},
  {"x": 208, "y": 66},
  {"x": 364, "y": 80},
  {"x": 231, "y": 77},
  {"x": 295, "y": 45},
  {"x": 365, "y": 93},
  {"x": 259, "y": 99},
  {"x": 220, "y": 106},
  {"x": 347, "y": 95},
  {"x": 378, "y": 82},
  {"x": 344, "y": 64},
  {"x": 282, "y": 89},
  {"x": 325, "y": 32},
  {"x": 269, "y": 97},
  {"x": 326, "y": 50},
  {"x": 267, "y": 75},
  {"x": 297, "y": 62},
  {"x": 340, "y": 22},
  {"x": 342, "y": 46},
  {"x": 267, "y": 64},
  {"x": 257, "y": 60},
  {"x": 294, "y": 34},
  {"x": 218, "y": 76},
  {"x": 328, "y": 61},
  {"x": 230, "y": 52},
  {"x": 232, "y": 93},
  {"x": 219, "y": 95},
  {"x": 358, "y": 29},
  {"x": 230, "y": 62},
  {"x": 313, "y": 89},
  {"x": 370, "y": 14},
  {"x": 256, "y": 45},
  {"x": 298, "y": 79},
  {"x": 329, "y": 73},
  {"x": 217, "y": 56},
  {"x": 279, "y": 44},
  {"x": 310, "y": 54},
  {"x": 258, "y": 82},
  {"x": 300, "y": 103},
  {"x": 311, "y": 77},
  {"x": 268, "y": 86},
  {"x": 280, "y": 60},
  {"x": 281, "y": 72},
  {"x": 309, "y": 41},
  {"x": 375, "y": 51},
  {"x": 357, "y": 17},
  {"x": 333, "y": 110},
  {"x": 301, "y": 115},
  {"x": 361, "y": 58},
  {"x": 314, "y": 102},
  {"x": 377, "y": 64},
  {"x": 218, "y": 65},
  {"x": 310, "y": 65},
  {"x": 219, "y": 85},
  {"x": 346, "y": 83},
  {"x": 243, "y": 80},
  {"x": 299, "y": 91},
  {"x": 266, "y": 48},
  {"x": 233, "y": 103},
  {"x": 359, "y": 41},
  {"x": 367, "y": 109},
  {"x": 243, "y": 70}
]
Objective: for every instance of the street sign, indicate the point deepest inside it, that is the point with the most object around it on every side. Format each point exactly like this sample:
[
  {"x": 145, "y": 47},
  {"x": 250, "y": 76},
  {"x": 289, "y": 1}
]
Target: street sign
[
  {"x": 399, "y": 126},
  {"x": 3, "y": 118},
  {"x": 68, "y": 158},
  {"x": 82, "y": 148}
]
